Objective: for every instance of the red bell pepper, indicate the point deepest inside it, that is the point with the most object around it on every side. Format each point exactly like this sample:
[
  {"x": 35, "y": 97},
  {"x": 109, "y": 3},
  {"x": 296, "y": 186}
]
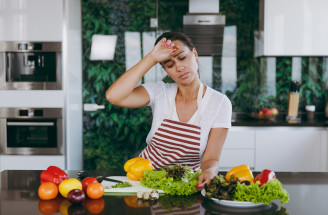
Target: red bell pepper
[
  {"x": 57, "y": 171},
  {"x": 265, "y": 176},
  {"x": 47, "y": 176}
]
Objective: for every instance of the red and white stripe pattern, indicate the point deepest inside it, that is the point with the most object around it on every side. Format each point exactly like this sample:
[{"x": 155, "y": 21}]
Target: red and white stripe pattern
[
  {"x": 174, "y": 143},
  {"x": 193, "y": 210}
]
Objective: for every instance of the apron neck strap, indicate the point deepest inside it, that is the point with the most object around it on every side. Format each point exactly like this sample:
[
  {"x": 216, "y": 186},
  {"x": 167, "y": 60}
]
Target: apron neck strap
[{"x": 199, "y": 101}]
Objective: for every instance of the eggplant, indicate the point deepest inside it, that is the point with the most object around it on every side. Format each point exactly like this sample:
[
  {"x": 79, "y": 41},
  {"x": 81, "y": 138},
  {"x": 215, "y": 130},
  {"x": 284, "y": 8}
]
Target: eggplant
[{"x": 76, "y": 196}]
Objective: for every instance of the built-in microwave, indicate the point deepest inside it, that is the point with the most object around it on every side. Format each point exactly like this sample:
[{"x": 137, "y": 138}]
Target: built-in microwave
[
  {"x": 30, "y": 65},
  {"x": 31, "y": 131}
]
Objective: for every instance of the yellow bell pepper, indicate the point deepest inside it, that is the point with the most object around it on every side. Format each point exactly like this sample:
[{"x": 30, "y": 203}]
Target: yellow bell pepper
[
  {"x": 134, "y": 202},
  {"x": 242, "y": 172},
  {"x": 135, "y": 168}
]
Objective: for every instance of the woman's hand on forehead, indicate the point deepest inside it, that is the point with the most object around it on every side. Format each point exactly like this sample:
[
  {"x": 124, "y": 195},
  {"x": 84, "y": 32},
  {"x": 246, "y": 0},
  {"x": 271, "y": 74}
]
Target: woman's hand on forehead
[{"x": 164, "y": 50}]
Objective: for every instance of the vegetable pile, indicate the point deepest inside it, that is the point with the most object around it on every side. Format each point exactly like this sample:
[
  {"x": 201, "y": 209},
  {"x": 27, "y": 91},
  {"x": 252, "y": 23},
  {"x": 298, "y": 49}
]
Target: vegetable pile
[
  {"x": 173, "y": 180},
  {"x": 54, "y": 180},
  {"x": 263, "y": 189}
]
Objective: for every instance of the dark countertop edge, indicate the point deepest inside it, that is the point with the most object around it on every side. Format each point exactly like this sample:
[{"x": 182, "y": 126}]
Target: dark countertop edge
[
  {"x": 244, "y": 119},
  {"x": 277, "y": 124}
]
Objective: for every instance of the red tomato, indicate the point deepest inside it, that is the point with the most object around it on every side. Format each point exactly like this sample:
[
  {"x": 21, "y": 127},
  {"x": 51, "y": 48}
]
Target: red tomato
[
  {"x": 87, "y": 181},
  {"x": 47, "y": 191},
  {"x": 95, "y": 190},
  {"x": 95, "y": 206}
]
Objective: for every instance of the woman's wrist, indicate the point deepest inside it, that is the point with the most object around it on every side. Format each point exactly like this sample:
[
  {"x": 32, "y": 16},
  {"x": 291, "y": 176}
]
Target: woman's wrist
[
  {"x": 210, "y": 166},
  {"x": 152, "y": 59}
]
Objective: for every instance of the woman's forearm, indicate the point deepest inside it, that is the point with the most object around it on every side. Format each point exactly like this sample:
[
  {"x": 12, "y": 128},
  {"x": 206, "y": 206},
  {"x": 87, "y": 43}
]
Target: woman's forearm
[
  {"x": 124, "y": 86},
  {"x": 211, "y": 166}
]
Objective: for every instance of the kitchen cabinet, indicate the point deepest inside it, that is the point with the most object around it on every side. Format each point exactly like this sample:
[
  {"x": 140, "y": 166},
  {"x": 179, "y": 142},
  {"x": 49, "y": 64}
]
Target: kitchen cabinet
[
  {"x": 292, "y": 28},
  {"x": 285, "y": 148},
  {"x": 291, "y": 149},
  {"x": 48, "y": 20},
  {"x": 31, "y": 20},
  {"x": 35, "y": 162},
  {"x": 239, "y": 148}
]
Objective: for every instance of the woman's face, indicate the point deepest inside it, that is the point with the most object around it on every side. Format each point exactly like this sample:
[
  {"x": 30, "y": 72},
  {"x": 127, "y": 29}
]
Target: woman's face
[{"x": 182, "y": 67}]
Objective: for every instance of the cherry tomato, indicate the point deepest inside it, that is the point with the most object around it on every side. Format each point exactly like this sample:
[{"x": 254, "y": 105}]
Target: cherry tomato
[
  {"x": 48, "y": 206},
  {"x": 87, "y": 181},
  {"x": 95, "y": 190},
  {"x": 48, "y": 191},
  {"x": 95, "y": 206}
]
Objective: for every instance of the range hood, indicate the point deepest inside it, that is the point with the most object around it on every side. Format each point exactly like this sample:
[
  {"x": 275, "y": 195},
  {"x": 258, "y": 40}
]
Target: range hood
[{"x": 205, "y": 26}]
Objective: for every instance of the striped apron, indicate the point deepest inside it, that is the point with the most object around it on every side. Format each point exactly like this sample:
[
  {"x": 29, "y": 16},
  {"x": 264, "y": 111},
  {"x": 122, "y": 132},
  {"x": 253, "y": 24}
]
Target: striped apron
[{"x": 176, "y": 142}]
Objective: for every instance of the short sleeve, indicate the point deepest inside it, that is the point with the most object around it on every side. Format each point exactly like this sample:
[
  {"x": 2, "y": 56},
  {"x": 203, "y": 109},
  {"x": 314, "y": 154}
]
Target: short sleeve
[
  {"x": 223, "y": 115},
  {"x": 154, "y": 89}
]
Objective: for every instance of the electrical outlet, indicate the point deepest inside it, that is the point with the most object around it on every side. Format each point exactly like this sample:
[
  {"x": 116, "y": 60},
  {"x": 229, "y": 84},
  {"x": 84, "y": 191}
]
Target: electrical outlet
[{"x": 153, "y": 22}]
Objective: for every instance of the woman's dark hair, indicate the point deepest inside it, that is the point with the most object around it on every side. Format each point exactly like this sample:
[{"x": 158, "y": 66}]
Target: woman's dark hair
[{"x": 177, "y": 36}]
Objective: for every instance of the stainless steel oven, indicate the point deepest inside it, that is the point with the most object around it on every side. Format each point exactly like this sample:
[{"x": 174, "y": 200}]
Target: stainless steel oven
[
  {"x": 30, "y": 66},
  {"x": 31, "y": 131}
]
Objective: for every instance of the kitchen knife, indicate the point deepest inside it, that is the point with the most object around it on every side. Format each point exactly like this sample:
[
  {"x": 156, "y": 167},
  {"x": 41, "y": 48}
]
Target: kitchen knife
[{"x": 101, "y": 178}]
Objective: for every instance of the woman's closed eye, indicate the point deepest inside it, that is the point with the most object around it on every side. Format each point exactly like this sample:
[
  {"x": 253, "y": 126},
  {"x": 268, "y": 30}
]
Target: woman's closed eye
[
  {"x": 170, "y": 65},
  {"x": 182, "y": 58}
]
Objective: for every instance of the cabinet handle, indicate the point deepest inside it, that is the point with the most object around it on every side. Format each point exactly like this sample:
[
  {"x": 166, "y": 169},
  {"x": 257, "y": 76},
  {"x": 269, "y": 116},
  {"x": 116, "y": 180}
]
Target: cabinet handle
[{"x": 30, "y": 123}]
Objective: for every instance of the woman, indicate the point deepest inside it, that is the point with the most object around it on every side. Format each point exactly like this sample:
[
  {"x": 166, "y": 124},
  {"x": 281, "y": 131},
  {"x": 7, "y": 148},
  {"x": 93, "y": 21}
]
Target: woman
[{"x": 190, "y": 120}]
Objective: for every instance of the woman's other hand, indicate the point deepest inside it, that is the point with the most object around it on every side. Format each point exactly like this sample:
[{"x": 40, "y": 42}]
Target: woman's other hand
[{"x": 163, "y": 50}]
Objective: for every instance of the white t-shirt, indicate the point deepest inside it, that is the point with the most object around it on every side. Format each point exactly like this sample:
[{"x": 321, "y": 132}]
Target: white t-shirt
[{"x": 215, "y": 110}]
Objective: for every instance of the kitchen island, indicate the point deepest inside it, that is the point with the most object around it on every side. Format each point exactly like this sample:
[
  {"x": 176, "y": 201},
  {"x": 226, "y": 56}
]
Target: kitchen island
[{"x": 308, "y": 195}]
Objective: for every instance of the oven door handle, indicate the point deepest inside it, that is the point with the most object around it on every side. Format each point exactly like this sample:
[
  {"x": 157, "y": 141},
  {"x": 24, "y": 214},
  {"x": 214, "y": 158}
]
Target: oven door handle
[{"x": 30, "y": 123}]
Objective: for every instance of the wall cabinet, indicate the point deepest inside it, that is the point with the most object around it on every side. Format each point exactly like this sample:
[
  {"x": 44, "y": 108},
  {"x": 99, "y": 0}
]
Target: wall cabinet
[
  {"x": 292, "y": 28},
  {"x": 31, "y": 20},
  {"x": 281, "y": 149}
]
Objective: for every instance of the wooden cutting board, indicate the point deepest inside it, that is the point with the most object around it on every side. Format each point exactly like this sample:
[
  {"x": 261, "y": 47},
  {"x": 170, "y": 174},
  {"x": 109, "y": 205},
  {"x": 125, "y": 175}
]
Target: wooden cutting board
[{"x": 136, "y": 186}]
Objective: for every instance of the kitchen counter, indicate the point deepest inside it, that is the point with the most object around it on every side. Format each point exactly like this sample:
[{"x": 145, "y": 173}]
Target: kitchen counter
[
  {"x": 244, "y": 119},
  {"x": 308, "y": 195}
]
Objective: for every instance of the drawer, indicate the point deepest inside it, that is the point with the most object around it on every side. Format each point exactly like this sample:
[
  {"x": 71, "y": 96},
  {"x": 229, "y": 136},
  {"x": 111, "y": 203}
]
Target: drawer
[
  {"x": 19, "y": 162},
  {"x": 235, "y": 157},
  {"x": 240, "y": 139}
]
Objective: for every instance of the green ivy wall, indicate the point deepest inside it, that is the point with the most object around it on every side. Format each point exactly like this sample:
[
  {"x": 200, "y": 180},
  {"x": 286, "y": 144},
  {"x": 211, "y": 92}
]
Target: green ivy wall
[{"x": 113, "y": 135}]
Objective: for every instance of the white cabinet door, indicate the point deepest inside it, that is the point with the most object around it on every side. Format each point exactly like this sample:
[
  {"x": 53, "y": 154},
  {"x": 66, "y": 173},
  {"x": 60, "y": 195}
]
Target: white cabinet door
[
  {"x": 33, "y": 162},
  {"x": 238, "y": 148},
  {"x": 295, "y": 28},
  {"x": 291, "y": 149},
  {"x": 31, "y": 20}
]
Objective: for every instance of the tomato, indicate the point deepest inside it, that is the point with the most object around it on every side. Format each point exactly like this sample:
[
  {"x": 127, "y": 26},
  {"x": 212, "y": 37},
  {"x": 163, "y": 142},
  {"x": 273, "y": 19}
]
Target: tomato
[
  {"x": 68, "y": 185},
  {"x": 95, "y": 190},
  {"x": 87, "y": 181},
  {"x": 47, "y": 191},
  {"x": 95, "y": 206},
  {"x": 48, "y": 206}
]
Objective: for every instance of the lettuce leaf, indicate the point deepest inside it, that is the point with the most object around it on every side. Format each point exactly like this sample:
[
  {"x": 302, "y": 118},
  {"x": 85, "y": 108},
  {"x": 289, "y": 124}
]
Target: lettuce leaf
[
  {"x": 268, "y": 192},
  {"x": 158, "y": 179}
]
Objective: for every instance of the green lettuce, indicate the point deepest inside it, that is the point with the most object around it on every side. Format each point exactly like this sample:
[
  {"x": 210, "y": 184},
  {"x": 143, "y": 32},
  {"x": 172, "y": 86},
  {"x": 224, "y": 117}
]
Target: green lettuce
[
  {"x": 268, "y": 192},
  {"x": 159, "y": 179}
]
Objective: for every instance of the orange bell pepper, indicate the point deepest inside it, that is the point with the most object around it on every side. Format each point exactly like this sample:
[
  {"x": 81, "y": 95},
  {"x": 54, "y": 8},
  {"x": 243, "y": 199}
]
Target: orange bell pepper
[
  {"x": 242, "y": 172},
  {"x": 135, "y": 168}
]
